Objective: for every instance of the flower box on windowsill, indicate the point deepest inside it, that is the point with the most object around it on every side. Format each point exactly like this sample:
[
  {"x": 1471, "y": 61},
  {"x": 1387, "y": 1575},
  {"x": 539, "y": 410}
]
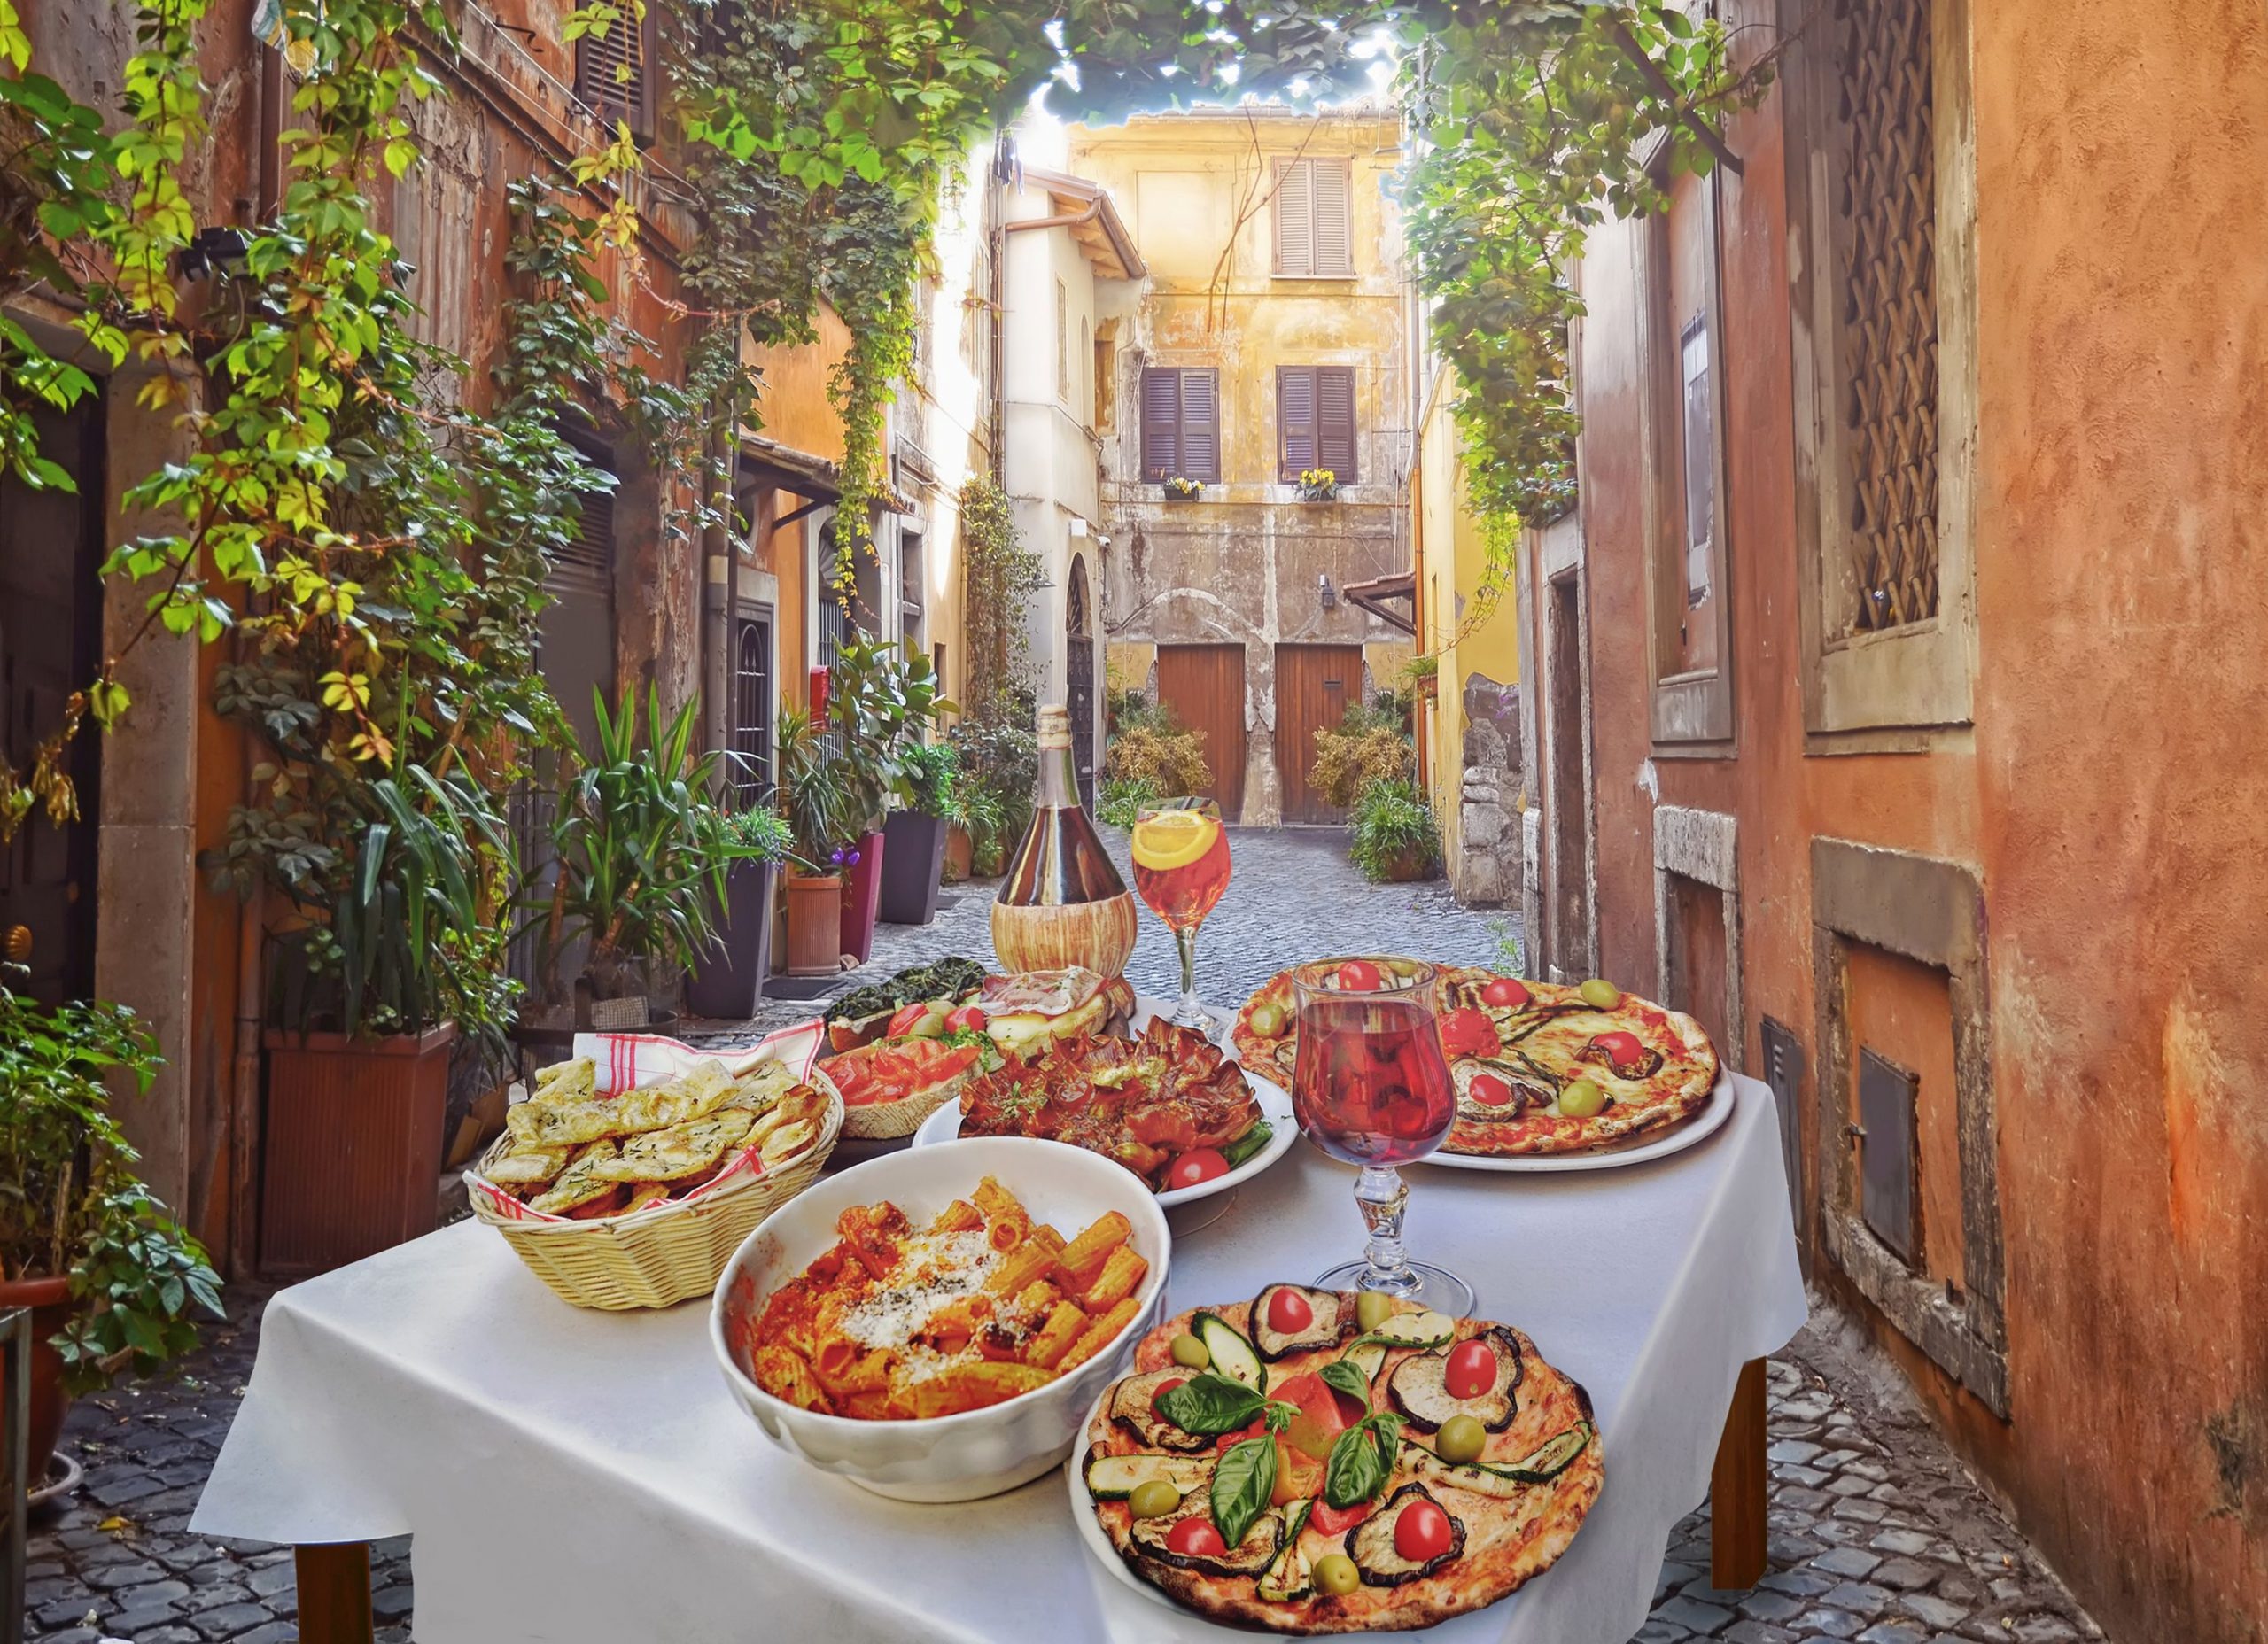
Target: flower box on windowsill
[
  {"x": 1317, "y": 484},
  {"x": 1182, "y": 490}
]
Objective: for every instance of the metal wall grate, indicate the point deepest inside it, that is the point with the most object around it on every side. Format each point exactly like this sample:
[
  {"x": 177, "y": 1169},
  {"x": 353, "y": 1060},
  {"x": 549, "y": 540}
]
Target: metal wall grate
[
  {"x": 1886, "y": 233},
  {"x": 1888, "y": 1099}
]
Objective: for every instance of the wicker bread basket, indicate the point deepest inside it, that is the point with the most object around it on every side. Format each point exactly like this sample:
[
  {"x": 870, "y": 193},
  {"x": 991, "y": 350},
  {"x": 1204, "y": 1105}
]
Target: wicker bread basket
[{"x": 661, "y": 1256}]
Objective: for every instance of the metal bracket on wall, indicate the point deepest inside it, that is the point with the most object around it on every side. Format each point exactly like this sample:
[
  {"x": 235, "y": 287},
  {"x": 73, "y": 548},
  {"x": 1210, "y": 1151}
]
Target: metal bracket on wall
[{"x": 1784, "y": 1071}]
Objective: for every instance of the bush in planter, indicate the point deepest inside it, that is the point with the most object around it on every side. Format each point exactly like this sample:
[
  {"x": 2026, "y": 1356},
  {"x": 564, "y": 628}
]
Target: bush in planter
[
  {"x": 1121, "y": 800},
  {"x": 72, "y": 1208},
  {"x": 999, "y": 768},
  {"x": 1394, "y": 835},
  {"x": 883, "y": 701},
  {"x": 760, "y": 835},
  {"x": 927, "y": 773},
  {"x": 1168, "y": 759},
  {"x": 1347, "y": 763}
]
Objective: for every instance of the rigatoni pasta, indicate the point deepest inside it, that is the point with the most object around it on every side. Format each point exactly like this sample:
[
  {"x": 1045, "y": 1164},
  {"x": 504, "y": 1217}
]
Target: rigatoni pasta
[{"x": 895, "y": 1322}]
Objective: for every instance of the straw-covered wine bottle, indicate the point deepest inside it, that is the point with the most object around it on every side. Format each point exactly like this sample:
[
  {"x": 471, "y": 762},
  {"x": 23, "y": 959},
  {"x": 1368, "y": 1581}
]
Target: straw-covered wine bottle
[{"x": 1063, "y": 901}]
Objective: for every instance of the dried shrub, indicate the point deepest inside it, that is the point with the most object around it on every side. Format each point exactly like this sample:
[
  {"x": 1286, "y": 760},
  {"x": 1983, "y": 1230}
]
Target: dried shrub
[
  {"x": 1172, "y": 762},
  {"x": 1349, "y": 761}
]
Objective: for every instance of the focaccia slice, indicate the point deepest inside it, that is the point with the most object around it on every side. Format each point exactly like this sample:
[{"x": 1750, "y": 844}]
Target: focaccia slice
[
  {"x": 680, "y": 1150},
  {"x": 525, "y": 1165},
  {"x": 680, "y": 1101},
  {"x": 581, "y": 1181}
]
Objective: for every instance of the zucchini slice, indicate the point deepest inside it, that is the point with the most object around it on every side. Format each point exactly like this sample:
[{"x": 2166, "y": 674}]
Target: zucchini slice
[
  {"x": 1288, "y": 1579},
  {"x": 1427, "y": 1328},
  {"x": 1371, "y": 1543},
  {"x": 1368, "y": 1357},
  {"x": 1233, "y": 1356},
  {"x": 1130, "y": 1406},
  {"x": 1251, "y": 1557},
  {"x": 1114, "y": 1477},
  {"x": 1419, "y": 1387},
  {"x": 1549, "y": 1460},
  {"x": 1324, "y": 1327}
]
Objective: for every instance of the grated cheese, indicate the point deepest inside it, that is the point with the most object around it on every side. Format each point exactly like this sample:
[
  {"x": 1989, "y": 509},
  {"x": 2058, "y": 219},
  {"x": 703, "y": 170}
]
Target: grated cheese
[{"x": 934, "y": 1271}]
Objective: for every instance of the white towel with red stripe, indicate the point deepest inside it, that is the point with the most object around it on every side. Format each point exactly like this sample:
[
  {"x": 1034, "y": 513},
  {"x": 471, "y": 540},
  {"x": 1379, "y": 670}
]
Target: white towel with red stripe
[{"x": 635, "y": 1061}]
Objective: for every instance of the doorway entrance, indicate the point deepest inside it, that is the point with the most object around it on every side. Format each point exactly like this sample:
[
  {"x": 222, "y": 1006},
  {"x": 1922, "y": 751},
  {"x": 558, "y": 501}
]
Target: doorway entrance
[
  {"x": 1204, "y": 686},
  {"x": 1570, "y": 951},
  {"x": 1314, "y": 687}
]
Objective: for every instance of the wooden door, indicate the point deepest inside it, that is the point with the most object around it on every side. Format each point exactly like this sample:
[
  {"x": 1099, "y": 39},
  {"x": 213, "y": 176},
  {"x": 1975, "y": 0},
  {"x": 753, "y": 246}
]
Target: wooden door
[
  {"x": 1204, "y": 686},
  {"x": 1314, "y": 687}
]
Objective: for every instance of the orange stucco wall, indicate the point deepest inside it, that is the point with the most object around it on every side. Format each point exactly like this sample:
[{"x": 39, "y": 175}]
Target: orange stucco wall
[{"x": 2109, "y": 794}]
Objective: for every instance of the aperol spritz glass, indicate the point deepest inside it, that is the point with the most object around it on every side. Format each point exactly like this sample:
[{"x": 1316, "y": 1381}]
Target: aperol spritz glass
[
  {"x": 1181, "y": 867},
  {"x": 1371, "y": 1087}
]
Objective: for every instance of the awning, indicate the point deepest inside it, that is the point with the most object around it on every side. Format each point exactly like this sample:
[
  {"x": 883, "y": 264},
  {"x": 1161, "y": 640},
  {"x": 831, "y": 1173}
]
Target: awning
[{"x": 1372, "y": 596}]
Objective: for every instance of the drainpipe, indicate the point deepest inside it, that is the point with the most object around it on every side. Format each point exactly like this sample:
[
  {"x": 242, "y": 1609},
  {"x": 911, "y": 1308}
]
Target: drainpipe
[{"x": 716, "y": 546}]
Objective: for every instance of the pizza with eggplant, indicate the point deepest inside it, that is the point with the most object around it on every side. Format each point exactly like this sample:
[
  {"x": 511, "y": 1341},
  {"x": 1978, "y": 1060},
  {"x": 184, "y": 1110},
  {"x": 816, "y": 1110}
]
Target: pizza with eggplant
[
  {"x": 1317, "y": 1461},
  {"x": 1540, "y": 1068}
]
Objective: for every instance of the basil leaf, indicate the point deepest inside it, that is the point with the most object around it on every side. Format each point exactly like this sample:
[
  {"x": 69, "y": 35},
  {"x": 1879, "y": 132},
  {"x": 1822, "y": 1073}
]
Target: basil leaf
[
  {"x": 1344, "y": 1377},
  {"x": 1210, "y": 1405},
  {"x": 1249, "y": 1143},
  {"x": 1242, "y": 1482},
  {"x": 1361, "y": 1460}
]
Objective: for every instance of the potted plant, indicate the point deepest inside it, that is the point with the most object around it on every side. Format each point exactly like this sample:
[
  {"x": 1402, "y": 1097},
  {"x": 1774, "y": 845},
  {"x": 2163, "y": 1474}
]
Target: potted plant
[
  {"x": 728, "y": 979},
  {"x": 882, "y": 701},
  {"x": 1394, "y": 836},
  {"x": 815, "y": 802},
  {"x": 973, "y": 815},
  {"x": 1181, "y": 490},
  {"x": 642, "y": 857},
  {"x": 110, "y": 1279},
  {"x": 1317, "y": 484},
  {"x": 914, "y": 839}
]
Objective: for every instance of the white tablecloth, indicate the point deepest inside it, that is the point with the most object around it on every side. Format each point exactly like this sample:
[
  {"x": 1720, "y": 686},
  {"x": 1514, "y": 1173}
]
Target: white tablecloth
[{"x": 581, "y": 1477}]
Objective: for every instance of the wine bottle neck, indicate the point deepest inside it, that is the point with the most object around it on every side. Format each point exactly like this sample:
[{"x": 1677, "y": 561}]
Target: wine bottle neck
[{"x": 1057, "y": 784}]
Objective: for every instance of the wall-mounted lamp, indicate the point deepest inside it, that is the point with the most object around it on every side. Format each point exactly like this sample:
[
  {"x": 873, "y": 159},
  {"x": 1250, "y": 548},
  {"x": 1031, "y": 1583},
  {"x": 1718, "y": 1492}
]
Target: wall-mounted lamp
[
  {"x": 1325, "y": 593},
  {"x": 214, "y": 252},
  {"x": 1078, "y": 526}
]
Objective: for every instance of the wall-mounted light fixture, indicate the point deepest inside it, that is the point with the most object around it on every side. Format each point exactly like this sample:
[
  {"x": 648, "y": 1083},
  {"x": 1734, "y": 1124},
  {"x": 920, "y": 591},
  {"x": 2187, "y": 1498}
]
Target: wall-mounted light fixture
[
  {"x": 1325, "y": 593},
  {"x": 214, "y": 252},
  {"x": 1078, "y": 526}
]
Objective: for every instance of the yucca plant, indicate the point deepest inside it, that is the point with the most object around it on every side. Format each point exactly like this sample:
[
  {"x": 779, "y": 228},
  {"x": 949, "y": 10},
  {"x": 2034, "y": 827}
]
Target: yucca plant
[
  {"x": 642, "y": 851},
  {"x": 813, "y": 796}
]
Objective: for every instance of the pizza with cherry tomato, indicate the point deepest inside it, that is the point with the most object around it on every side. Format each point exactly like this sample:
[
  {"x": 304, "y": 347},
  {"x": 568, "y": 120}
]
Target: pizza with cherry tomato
[
  {"x": 1540, "y": 1068},
  {"x": 1317, "y": 1461}
]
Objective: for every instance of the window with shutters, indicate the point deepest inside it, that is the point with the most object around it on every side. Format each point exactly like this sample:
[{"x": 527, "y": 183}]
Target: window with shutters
[
  {"x": 1315, "y": 421},
  {"x": 616, "y": 72},
  {"x": 1314, "y": 228},
  {"x": 1180, "y": 424}
]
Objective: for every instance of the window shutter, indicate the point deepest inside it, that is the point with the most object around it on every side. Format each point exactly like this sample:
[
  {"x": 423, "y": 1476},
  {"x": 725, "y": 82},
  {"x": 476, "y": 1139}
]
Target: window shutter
[
  {"x": 599, "y": 79},
  {"x": 1294, "y": 216},
  {"x": 1334, "y": 395},
  {"x": 1295, "y": 429},
  {"x": 1200, "y": 426},
  {"x": 1333, "y": 207},
  {"x": 1161, "y": 425}
]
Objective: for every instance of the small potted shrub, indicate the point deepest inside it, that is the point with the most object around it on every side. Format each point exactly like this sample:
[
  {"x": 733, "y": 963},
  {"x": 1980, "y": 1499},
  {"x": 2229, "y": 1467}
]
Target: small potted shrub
[
  {"x": 881, "y": 701},
  {"x": 914, "y": 839},
  {"x": 1394, "y": 836},
  {"x": 728, "y": 979},
  {"x": 1181, "y": 490},
  {"x": 112, "y": 1280},
  {"x": 1317, "y": 484},
  {"x": 815, "y": 803}
]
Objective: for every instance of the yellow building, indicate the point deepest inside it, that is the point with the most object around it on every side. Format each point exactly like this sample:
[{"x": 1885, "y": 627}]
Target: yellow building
[
  {"x": 1469, "y": 735},
  {"x": 1268, "y": 340}
]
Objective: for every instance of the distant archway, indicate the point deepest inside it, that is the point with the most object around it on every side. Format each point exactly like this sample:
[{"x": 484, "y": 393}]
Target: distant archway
[{"x": 1079, "y": 679}]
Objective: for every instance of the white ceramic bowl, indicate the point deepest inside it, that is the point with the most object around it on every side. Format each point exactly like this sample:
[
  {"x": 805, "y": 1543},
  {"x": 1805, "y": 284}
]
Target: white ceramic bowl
[{"x": 978, "y": 1452}]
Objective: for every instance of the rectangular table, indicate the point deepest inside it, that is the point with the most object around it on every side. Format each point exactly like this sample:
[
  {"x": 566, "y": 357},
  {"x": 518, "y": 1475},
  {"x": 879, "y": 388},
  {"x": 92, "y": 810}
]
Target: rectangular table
[{"x": 574, "y": 1475}]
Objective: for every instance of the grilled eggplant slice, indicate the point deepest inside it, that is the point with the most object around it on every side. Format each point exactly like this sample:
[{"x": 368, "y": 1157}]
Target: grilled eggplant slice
[
  {"x": 1554, "y": 1456},
  {"x": 1371, "y": 1543},
  {"x": 1251, "y": 1557},
  {"x": 1323, "y": 1329},
  {"x": 1289, "y": 1579},
  {"x": 1130, "y": 1408},
  {"x": 1114, "y": 1477},
  {"x": 1419, "y": 1387}
]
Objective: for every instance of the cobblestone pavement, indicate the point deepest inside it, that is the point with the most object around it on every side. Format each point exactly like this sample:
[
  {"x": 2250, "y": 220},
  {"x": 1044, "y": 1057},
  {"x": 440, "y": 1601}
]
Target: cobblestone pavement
[{"x": 1878, "y": 1534}]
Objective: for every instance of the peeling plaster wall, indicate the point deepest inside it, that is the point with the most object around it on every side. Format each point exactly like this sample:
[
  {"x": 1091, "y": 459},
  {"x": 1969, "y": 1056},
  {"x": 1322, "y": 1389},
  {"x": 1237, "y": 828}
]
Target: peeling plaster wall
[{"x": 2108, "y": 797}]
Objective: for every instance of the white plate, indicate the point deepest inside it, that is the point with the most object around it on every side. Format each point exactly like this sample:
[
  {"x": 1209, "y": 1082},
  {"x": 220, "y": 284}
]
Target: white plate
[
  {"x": 1091, "y": 1530},
  {"x": 1637, "y": 1151},
  {"x": 1275, "y": 1107}
]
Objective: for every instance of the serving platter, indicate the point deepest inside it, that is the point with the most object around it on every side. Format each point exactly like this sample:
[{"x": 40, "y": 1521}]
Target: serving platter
[
  {"x": 1275, "y": 1107},
  {"x": 1091, "y": 1530},
  {"x": 1636, "y": 1150}
]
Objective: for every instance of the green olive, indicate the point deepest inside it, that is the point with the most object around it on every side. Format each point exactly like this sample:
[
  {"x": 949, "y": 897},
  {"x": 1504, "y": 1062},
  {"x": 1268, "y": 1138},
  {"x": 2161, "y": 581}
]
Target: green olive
[
  {"x": 1190, "y": 1354},
  {"x": 1154, "y": 1500},
  {"x": 1335, "y": 1574},
  {"x": 1462, "y": 1438},
  {"x": 1602, "y": 996},
  {"x": 1373, "y": 1308},
  {"x": 1581, "y": 1099},
  {"x": 930, "y": 1027},
  {"x": 1402, "y": 967},
  {"x": 1267, "y": 1020}
]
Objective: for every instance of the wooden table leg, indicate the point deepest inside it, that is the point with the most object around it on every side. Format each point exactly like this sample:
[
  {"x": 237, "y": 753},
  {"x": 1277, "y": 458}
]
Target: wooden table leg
[
  {"x": 334, "y": 1593},
  {"x": 1736, "y": 1487}
]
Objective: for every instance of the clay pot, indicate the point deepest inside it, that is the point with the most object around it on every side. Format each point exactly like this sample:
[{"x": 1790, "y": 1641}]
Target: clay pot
[
  {"x": 814, "y": 924},
  {"x": 50, "y": 1300},
  {"x": 961, "y": 854}
]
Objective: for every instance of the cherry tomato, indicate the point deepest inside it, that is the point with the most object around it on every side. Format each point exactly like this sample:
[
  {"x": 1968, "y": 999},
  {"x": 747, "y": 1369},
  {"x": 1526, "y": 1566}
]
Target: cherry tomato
[
  {"x": 1469, "y": 1032},
  {"x": 1288, "y": 1313},
  {"x": 1503, "y": 991},
  {"x": 903, "y": 1022},
  {"x": 1490, "y": 1090},
  {"x": 1471, "y": 1369},
  {"x": 967, "y": 1016},
  {"x": 1201, "y": 1164},
  {"x": 1619, "y": 1049},
  {"x": 1164, "y": 1388},
  {"x": 1420, "y": 1533},
  {"x": 1325, "y": 1519},
  {"x": 1358, "y": 976},
  {"x": 1195, "y": 1537}
]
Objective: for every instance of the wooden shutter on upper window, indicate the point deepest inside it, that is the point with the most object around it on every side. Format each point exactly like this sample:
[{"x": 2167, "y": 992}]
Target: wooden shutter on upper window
[
  {"x": 1201, "y": 425},
  {"x": 615, "y": 72},
  {"x": 1161, "y": 425},
  {"x": 1295, "y": 430},
  {"x": 1334, "y": 398},
  {"x": 1330, "y": 199},
  {"x": 1295, "y": 217}
]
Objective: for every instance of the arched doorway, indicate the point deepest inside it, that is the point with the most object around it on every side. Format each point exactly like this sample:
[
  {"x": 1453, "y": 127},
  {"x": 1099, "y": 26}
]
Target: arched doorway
[{"x": 1079, "y": 682}]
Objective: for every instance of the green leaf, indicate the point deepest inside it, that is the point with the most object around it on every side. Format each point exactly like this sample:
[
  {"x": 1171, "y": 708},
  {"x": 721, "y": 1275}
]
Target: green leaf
[
  {"x": 1345, "y": 1378},
  {"x": 1209, "y": 1404},
  {"x": 1360, "y": 1461},
  {"x": 1242, "y": 1481}
]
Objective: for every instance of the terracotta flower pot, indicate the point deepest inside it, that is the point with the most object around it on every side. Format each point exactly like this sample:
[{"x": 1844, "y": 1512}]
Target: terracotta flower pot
[
  {"x": 814, "y": 924},
  {"x": 351, "y": 1151},
  {"x": 961, "y": 854},
  {"x": 50, "y": 1300},
  {"x": 862, "y": 896}
]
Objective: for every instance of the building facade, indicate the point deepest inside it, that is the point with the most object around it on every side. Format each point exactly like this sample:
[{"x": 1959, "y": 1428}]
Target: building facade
[
  {"x": 1888, "y": 701},
  {"x": 1266, "y": 343}
]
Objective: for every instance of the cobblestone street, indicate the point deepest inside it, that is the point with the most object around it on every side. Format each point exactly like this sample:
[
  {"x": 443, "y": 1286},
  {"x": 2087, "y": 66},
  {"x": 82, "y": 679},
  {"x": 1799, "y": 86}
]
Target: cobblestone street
[{"x": 1878, "y": 1534}]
